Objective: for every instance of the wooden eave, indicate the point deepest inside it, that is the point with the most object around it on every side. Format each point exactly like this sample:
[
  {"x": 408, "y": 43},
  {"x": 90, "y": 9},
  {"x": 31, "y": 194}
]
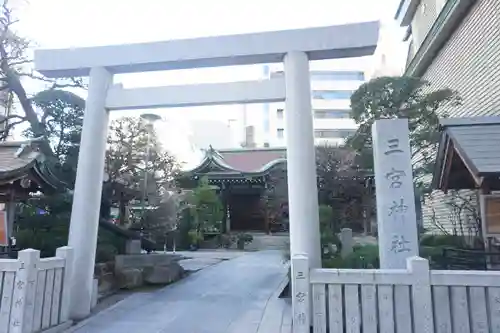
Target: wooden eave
[
  {"x": 454, "y": 170},
  {"x": 455, "y": 173}
]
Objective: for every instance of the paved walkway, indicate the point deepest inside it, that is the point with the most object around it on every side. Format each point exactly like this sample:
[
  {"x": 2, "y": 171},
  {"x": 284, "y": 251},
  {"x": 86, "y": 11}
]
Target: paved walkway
[
  {"x": 202, "y": 259},
  {"x": 237, "y": 295}
]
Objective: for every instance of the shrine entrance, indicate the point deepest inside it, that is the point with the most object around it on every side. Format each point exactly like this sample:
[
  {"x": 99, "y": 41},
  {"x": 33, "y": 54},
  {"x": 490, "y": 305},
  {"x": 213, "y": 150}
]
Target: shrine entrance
[
  {"x": 246, "y": 213},
  {"x": 294, "y": 48},
  {"x": 241, "y": 176}
]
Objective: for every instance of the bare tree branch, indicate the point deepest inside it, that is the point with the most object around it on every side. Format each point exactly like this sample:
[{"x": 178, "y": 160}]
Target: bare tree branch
[{"x": 14, "y": 66}]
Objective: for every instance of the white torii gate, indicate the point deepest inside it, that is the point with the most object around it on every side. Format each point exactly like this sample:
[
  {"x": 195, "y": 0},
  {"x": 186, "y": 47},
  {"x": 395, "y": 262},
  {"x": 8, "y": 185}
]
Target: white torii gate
[{"x": 293, "y": 47}]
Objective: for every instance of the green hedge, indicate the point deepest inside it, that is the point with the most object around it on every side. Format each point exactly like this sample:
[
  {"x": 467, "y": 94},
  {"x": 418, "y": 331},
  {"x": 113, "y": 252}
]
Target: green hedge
[
  {"x": 362, "y": 257},
  {"x": 366, "y": 257}
]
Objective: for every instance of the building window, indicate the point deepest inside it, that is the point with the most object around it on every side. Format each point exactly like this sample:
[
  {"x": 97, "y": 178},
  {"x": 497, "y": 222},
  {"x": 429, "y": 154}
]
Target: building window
[
  {"x": 279, "y": 113},
  {"x": 332, "y": 114},
  {"x": 331, "y": 94},
  {"x": 333, "y": 133},
  {"x": 281, "y": 133},
  {"x": 337, "y": 76}
]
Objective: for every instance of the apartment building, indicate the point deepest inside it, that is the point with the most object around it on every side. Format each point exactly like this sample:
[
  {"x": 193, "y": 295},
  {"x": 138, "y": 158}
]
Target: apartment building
[
  {"x": 454, "y": 44},
  {"x": 332, "y": 85}
]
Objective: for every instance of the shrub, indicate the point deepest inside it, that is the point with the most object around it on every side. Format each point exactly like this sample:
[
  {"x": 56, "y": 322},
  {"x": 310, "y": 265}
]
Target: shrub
[
  {"x": 195, "y": 237},
  {"x": 105, "y": 253},
  {"x": 42, "y": 232},
  {"x": 365, "y": 256},
  {"x": 325, "y": 216},
  {"x": 243, "y": 239},
  {"x": 434, "y": 254},
  {"x": 443, "y": 240},
  {"x": 183, "y": 241},
  {"x": 45, "y": 241},
  {"x": 225, "y": 241}
]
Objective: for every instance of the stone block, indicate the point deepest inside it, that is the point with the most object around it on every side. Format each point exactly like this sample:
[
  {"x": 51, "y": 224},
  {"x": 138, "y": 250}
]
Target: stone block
[
  {"x": 104, "y": 273},
  {"x": 107, "y": 283},
  {"x": 133, "y": 246},
  {"x": 130, "y": 278},
  {"x": 144, "y": 260},
  {"x": 163, "y": 274}
]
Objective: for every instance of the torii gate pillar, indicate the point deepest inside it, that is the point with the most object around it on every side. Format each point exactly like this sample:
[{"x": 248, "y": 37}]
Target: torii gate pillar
[
  {"x": 88, "y": 190},
  {"x": 301, "y": 162}
]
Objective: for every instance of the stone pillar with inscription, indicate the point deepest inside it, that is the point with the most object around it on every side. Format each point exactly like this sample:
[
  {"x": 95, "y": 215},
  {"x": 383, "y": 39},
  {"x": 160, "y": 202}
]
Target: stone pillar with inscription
[{"x": 396, "y": 217}]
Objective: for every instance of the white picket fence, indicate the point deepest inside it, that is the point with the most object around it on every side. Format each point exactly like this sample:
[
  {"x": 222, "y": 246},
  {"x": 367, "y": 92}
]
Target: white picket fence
[
  {"x": 414, "y": 300},
  {"x": 34, "y": 291}
]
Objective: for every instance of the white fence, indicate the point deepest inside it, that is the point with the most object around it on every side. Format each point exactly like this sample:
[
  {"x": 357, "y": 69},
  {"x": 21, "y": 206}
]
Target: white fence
[
  {"x": 415, "y": 300},
  {"x": 34, "y": 291}
]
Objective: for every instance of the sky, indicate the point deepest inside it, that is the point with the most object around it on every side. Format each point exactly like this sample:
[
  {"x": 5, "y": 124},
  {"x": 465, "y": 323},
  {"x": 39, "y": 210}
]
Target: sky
[{"x": 76, "y": 23}]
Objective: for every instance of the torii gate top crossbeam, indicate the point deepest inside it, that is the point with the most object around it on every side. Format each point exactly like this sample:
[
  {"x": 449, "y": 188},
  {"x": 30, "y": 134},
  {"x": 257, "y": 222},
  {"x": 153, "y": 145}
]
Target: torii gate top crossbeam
[{"x": 341, "y": 41}]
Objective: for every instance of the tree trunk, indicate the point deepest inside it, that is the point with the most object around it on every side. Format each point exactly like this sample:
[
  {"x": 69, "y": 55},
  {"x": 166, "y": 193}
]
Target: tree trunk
[{"x": 15, "y": 85}]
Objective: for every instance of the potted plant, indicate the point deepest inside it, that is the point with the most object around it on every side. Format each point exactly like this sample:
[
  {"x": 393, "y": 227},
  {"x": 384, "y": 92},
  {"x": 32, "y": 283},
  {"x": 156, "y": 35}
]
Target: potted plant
[
  {"x": 242, "y": 240},
  {"x": 195, "y": 237}
]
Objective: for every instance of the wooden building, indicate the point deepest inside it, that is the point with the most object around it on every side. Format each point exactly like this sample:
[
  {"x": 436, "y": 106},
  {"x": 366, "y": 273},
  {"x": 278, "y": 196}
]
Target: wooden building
[
  {"x": 24, "y": 171},
  {"x": 468, "y": 161},
  {"x": 241, "y": 176}
]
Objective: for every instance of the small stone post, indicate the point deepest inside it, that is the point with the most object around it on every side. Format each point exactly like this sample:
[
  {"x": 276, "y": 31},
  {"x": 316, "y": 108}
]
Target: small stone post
[
  {"x": 421, "y": 294},
  {"x": 301, "y": 299},
  {"x": 347, "y": 242},
  {"x": 23, "y": 298},
  {"x": 67, "y": 253}
]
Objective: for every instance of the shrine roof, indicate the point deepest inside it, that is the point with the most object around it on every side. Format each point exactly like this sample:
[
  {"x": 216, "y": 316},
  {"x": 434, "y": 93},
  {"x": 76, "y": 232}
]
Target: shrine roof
[
  {"x": 468, "y": 153},
  {"x": 21, "y": 159},
  {"x": 252, "y": 160},
  {"x": 11, "y": 161},
  {"x": 239, "y": 162}
]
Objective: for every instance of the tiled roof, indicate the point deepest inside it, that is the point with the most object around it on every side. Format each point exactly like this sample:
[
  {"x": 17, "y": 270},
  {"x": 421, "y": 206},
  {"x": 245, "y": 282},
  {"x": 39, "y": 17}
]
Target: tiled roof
[
  {"x": 13, "y": 162},
  {"x": 21, "y": 159},
  {"x": 251, "y": 160},
  {"x": 476, "y": 139}
]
